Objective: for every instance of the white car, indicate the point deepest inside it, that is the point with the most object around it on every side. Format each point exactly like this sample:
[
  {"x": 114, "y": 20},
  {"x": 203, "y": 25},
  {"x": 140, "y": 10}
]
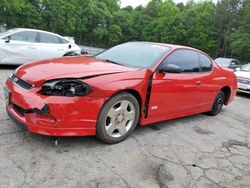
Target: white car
[
  {"x": 20, "y": 46},
  {"x": 243, "y": 76}
]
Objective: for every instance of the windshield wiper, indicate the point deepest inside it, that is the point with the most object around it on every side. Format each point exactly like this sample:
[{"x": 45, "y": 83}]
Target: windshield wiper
[{"x": 114, "y": 62}]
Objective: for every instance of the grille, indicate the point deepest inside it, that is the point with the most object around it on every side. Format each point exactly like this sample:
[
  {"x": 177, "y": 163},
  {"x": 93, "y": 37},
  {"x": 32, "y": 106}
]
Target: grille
[
  {"x": 244, "y": 81},
  {"x": 19, "y": 82}
]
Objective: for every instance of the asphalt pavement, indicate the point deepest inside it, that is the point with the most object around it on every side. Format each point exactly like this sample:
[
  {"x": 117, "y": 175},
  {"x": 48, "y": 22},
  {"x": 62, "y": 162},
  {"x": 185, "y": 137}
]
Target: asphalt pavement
[{"x": 196, "y": 151}]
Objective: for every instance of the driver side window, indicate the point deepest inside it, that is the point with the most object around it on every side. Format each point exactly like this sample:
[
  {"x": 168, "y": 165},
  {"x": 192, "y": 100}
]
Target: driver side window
[{"x": 187, "y": 60}]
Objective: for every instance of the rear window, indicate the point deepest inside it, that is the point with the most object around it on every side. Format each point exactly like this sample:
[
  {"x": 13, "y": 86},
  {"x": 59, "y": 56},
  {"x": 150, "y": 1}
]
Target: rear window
[
  {"x": 206, "y": 63},
  {"x": 223, "y": 62},
  {"x": 187, "y": 60},
  {"x": 48, "y": 38}
]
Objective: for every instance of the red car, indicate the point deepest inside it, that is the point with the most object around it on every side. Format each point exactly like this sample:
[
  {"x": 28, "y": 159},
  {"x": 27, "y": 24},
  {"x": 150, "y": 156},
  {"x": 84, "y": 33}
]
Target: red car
[{"x": 109, "y": 94}]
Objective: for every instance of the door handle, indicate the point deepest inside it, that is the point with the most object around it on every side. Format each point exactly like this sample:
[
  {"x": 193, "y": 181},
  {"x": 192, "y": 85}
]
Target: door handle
[
  {"x": 31, "y": 47},
  {"x": 198, "y": 82}
]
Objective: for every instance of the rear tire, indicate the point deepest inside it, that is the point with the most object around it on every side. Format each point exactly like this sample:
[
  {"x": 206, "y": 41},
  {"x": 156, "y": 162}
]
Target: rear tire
[
  {"x": 218, "y": 104},
  {"x": 117, "y": 118}
]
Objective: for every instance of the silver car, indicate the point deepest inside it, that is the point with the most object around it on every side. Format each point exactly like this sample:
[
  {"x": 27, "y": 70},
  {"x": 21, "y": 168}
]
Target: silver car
[
  {"x": 228, "y": 63},
  {"x": 243, "y": 76},
  {"x": 19, "y": 46}
]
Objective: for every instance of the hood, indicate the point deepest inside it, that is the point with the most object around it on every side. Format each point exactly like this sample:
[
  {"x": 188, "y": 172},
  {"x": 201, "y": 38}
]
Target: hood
[
  {"x": 242, "y": 74},
  {"x": 68, "y": 67}
]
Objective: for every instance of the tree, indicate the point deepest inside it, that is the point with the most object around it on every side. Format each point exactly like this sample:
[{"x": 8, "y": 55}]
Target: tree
[
  {"x": 240, "y": 37},
  {"x": 226, "y": 19},
  {"x": 199, "y": 29},
  {"x": 220, "y": 29}
]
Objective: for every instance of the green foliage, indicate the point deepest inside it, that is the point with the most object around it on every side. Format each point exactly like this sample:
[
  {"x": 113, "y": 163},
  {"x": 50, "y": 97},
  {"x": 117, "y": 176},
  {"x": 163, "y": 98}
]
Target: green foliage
[
  {"x": 221, "y": 29},
  {"x": 240, "y": 37}
]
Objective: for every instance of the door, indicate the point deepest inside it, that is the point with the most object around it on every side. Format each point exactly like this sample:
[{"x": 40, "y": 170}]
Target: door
[
  {"x": 19, "y": 48},
  {"x": 177, "y": 93},
  {"x": 51, "y": 46},
  {"x": 208, "y": 88}
]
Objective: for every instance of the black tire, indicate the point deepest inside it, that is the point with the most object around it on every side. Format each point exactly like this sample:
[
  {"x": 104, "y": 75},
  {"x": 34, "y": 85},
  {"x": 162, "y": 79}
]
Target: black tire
[
  {"x": 218, "y": 104},
  {"x": 101, "y": 128}
]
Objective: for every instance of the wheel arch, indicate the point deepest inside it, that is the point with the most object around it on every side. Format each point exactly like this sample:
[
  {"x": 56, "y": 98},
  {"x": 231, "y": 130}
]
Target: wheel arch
[
  {"x": 99, "y": 132},
  {"x": 136, "y": 94},
  {"x": 227, "y": 92}
]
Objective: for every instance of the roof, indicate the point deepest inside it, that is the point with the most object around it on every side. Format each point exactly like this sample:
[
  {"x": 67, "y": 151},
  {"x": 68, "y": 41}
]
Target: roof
[
  {"x": 223, "y": 58},
  {"x": 175, "y": 46},
  {"x": 36, "y": 30}
]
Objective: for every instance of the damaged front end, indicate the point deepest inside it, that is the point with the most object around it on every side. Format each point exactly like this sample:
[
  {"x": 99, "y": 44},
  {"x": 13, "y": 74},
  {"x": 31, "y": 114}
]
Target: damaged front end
[{"x": 58, "y": 107}]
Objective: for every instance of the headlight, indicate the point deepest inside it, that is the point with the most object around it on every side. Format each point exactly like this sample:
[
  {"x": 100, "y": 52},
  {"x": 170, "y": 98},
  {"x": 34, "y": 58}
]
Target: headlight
[{"x": 65, "y": 87}]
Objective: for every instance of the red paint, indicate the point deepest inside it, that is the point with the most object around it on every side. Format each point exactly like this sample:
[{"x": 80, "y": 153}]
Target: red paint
[{"x": 176, "y": 95}]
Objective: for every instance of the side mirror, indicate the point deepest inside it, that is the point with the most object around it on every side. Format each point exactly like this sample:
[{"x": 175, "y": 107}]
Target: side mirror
[
  {"x": 170, "y": 68},
  {"x": 237, "y": 69}
]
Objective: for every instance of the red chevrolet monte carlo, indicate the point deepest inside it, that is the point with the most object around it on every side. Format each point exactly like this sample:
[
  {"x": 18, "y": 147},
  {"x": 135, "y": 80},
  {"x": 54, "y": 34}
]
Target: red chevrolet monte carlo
[{"x": 109, "y": 94}]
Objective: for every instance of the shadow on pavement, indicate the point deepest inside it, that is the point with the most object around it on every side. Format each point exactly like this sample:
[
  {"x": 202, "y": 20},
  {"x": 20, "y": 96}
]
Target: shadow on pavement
[{"x": 244, "y": 95}]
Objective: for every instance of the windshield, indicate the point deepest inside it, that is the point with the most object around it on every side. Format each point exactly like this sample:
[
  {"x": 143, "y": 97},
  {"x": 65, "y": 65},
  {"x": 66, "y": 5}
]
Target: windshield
[
  {"x": 5, "y": 32},
  {"x": 134, "y": 54},
  {"x": 246, "y": 68},
  {"x": 223, "y": 62}
]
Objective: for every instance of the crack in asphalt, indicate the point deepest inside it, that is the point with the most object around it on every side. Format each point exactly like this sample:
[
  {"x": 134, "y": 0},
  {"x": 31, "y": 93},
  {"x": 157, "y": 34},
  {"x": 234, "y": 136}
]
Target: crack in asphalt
[
  {"x": 110, "y": 169},
  {"x": 23, "y": 171},
  {"x": 204, "y": 170},
  {"x": 13, "y": 132},
  {"x": 228, "y": 156},
  {"x": 231, "y": 143}
]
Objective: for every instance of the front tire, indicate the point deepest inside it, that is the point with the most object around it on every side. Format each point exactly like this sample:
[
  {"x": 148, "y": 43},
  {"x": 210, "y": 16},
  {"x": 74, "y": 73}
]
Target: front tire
[
  {"x": 117, "y": 118},
  {"x": 218, "y": 104}
]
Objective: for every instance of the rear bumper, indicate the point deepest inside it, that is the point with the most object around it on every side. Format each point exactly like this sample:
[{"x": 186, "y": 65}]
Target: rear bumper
[
  {"x": 243, "y": 88},
  {"x": 244, "y": 91},
  {"x": 53, "y": 116}
]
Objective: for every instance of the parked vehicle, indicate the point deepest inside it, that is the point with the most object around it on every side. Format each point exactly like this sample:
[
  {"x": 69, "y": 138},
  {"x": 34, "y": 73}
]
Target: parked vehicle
[
  {"x": 89, "y": 50},
  {"x": 19, "y": 46},
  {"x": 228, "y": 63},
  {"x": 109, "y": 94},
  {"x": 243, "y": 76}
]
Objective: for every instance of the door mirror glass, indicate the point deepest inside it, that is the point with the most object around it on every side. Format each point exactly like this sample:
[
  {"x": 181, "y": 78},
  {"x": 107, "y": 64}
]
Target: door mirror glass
[{"x": 170, "y": 68}]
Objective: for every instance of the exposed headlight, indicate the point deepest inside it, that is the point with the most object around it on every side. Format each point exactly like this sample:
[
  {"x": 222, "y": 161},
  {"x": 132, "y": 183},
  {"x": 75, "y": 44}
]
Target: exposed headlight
[{"x": 65, "y": 87}]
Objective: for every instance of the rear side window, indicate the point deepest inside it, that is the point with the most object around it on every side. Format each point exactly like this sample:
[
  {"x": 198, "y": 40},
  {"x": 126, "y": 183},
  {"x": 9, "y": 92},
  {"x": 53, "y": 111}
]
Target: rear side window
[
  {"x": 48, "y": 38},
  {"x": 187, "y": 60},
  {"x": 206, "y": 63},
  {"x": 27, "y": 36},
  {"x": 62, "y": 40},
  {"x": 235, "y": 62}
]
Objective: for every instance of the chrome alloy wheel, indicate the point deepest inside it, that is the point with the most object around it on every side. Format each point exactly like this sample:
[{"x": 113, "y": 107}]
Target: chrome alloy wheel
[{"x": 120, "y": 118}]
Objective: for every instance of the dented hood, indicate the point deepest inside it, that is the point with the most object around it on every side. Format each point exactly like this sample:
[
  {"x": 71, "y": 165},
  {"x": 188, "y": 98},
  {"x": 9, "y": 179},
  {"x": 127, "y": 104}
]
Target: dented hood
[{"x": 68, "y": 67}]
